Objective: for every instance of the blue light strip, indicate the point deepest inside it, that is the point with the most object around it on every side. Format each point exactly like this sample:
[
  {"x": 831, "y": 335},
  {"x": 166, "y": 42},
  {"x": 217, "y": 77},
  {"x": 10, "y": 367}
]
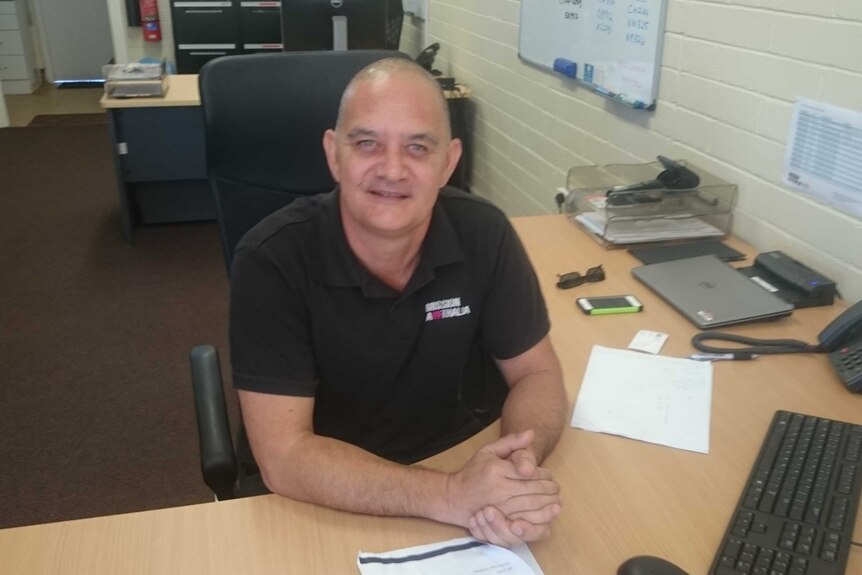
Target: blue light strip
[{"x": 84, "y": 81}]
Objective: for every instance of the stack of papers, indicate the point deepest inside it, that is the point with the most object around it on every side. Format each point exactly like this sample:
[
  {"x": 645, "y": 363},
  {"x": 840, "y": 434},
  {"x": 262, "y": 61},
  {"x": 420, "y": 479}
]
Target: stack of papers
[
  {"x": 133, "y": 72},
  {"x": 652, "y": 398},
  {"x": 464, "y": 556},
  {"x": 633, "y": 231}
]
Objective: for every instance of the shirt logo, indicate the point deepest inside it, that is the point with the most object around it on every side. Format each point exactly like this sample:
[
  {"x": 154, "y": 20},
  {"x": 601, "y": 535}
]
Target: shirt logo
[{"x": 445, "y": 308}]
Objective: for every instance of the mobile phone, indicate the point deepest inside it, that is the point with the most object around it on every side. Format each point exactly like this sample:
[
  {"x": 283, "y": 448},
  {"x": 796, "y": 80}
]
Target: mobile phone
[{"x": 609, "y": 304}]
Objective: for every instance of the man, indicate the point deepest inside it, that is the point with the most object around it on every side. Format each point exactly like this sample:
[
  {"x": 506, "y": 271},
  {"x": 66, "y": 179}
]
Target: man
[{"x": 352, "y": 319}]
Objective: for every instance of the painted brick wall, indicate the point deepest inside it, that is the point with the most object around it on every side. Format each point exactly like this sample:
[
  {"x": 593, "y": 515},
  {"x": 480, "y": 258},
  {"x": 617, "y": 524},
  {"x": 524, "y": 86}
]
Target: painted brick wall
[{"x": 731, "y": 70}]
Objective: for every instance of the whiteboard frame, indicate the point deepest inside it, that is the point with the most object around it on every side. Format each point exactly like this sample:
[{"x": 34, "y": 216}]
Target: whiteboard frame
[{"x": 563, "y": 66}]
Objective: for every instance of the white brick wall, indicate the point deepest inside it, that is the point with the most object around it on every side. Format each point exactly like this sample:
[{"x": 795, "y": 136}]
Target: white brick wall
[{"x": 731, "y": 70}]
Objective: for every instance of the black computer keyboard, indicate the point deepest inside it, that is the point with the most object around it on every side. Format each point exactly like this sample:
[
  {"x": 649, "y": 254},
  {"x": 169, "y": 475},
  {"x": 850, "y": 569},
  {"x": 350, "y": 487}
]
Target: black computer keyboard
[{"x": 798, "y": 508}]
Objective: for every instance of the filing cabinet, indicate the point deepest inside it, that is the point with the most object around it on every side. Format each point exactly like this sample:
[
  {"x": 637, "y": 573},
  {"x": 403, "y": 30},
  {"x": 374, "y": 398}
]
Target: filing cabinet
[
  {"x": 18, "y": 70},
  {"x": 260, "y": 26},
  {"x": 207, "y": 29},
  {"x": 203, "y": 30}
]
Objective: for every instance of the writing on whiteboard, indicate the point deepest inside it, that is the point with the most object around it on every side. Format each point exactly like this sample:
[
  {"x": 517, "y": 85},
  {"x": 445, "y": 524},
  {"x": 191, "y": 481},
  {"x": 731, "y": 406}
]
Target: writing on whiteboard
[{"x": 614, "y": 45}]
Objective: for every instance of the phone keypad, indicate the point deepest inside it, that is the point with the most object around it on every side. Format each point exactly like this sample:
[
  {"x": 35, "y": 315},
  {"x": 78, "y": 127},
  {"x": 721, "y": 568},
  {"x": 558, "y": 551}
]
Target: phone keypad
[{"x": 848, "y": 362}]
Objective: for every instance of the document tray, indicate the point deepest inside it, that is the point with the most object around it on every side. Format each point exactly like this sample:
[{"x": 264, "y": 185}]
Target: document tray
[{"x": 647, "y": 214}]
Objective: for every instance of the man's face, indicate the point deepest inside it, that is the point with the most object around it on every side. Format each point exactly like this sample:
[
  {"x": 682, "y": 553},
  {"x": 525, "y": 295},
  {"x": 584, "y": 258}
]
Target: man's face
[{"x": 391, "y": 155}]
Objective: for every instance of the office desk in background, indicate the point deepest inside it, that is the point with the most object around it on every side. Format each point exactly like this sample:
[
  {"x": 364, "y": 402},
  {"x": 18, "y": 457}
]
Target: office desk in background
[
  {"x": 159, "y": 155},
  {"x": 159, "y": 152},
  {"x": 621, "y": 497}
]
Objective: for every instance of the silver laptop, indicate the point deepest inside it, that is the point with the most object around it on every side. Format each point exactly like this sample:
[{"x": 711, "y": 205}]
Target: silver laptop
[{"x": 710, "y": 293}]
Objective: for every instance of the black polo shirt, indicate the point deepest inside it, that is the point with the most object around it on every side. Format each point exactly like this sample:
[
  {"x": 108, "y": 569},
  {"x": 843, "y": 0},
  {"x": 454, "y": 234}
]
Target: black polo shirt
[{"x": 386, "y": 368}]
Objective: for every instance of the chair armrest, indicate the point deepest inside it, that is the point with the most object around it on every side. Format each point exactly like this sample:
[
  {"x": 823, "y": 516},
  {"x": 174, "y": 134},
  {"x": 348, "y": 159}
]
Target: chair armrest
[{"x": 218, "y": 461}]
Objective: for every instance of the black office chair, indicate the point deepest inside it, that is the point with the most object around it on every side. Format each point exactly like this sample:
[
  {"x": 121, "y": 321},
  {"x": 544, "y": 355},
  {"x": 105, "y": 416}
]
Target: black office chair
[
  {"x": 265, "y": 115},
  {"x": 228, "y": 473}
]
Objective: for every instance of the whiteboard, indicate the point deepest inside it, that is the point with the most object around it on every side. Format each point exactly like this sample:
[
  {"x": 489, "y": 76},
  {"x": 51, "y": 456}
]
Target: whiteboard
[{"x": 612, "y": 45}]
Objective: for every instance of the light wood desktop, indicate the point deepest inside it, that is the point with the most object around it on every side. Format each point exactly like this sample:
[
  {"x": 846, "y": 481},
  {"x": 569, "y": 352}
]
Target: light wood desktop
[
  {"x": 182, "y": 91},
  {"x": 621, "y": 497}
]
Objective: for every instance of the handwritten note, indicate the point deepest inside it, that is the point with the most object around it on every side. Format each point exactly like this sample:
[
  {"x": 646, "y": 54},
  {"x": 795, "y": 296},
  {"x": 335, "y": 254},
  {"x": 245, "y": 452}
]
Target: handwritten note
[{"x": 657, "y": 399}]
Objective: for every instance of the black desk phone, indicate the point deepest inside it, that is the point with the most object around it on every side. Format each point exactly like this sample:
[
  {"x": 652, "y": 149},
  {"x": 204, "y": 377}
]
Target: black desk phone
[{"x": 843, "y": 340}]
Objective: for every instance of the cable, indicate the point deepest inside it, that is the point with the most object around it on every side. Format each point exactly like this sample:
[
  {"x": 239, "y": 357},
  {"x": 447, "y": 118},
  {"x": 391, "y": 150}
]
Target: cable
[{"x": 758, "y": 346}]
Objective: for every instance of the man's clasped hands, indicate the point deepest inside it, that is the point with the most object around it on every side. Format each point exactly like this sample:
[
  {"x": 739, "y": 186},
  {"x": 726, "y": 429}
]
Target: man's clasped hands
[{"x": 502, "y": 495}]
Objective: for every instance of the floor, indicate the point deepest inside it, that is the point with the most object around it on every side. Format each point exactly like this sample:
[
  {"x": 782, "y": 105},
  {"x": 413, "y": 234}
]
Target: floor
[{"x": 49, "y": 100}]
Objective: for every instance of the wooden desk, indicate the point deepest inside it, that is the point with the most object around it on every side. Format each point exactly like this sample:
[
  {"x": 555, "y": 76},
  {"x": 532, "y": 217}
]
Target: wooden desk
[
  {"x": 159, "y": 152},
  {"x": 622, "y": 497}
]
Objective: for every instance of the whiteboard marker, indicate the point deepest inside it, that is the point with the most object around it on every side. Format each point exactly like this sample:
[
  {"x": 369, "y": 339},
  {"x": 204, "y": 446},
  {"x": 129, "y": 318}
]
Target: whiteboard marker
[{"x": 602, "y": 91}]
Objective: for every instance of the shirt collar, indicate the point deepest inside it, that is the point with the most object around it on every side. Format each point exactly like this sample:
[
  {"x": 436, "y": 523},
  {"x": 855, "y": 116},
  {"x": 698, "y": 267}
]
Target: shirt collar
[{"x": 338, "y": 266}]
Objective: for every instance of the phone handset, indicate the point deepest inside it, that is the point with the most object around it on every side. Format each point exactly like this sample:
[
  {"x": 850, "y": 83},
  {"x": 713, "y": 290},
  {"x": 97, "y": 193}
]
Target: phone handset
[
  {"x": 843, "y": 329},
  {"x": 843, "y": 340}
]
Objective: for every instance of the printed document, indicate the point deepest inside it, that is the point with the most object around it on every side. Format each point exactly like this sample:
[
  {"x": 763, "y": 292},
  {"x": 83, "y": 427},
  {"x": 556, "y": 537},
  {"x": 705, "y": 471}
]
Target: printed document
[
  {"x": 657, "y": 399},
  {"x": 824, "y": 155},
  {"x": 463, "y": 556}
]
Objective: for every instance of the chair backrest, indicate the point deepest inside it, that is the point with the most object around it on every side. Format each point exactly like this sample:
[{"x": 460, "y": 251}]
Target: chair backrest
[{"x": 265, "y": 115}]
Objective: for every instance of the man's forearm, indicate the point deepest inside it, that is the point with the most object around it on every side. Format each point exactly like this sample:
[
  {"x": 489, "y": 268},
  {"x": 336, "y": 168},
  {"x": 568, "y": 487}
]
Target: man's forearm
[
  {"x": 537, "y": 397},
  {"x": 336, "y": 474},
  {"x": 297, "y": 463},
  {"x": 537, "y": 402}
]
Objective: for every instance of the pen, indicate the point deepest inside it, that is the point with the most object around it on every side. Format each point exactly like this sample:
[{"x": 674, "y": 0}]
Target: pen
[{"x": 738, "y": 356}]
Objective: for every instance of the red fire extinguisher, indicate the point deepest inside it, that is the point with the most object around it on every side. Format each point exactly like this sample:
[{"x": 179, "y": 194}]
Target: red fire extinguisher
[{"x": 150, "y": 20}]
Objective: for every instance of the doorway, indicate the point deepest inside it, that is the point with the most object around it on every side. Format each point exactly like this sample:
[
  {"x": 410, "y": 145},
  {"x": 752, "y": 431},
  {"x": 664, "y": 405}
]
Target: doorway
[{"x": 75, "y": 38}]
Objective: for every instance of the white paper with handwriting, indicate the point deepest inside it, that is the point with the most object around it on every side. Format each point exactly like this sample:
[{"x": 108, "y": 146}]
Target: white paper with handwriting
[{"x": 657, "y": 399}]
